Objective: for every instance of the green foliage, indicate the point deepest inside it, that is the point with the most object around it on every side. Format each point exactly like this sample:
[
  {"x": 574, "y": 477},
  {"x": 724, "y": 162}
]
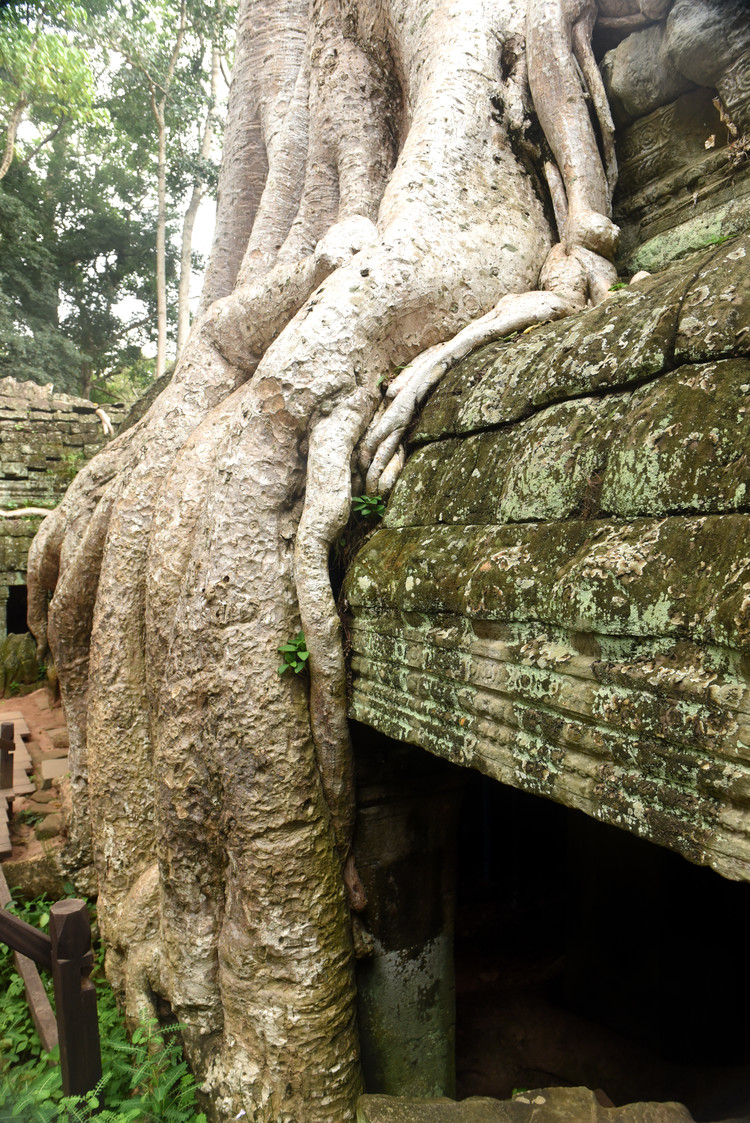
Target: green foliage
[
  {"x": 719, "y": 239},
  {"x": 78, "y": 210},
  {"x": 295, "y": 654},
  {"x": 76, "y": 245},
  {"x": 41, "y": 70},
  {"x": 69, "y": 465},
  {"x": 31, "y": 818},
  {"x": 127, "y": 384},
  {"x": 369, "y": 506},
  {"x": 619, "y": 285},
  {"x": 145, "y": 1080},
  {"x": 158, "y": 1085}
]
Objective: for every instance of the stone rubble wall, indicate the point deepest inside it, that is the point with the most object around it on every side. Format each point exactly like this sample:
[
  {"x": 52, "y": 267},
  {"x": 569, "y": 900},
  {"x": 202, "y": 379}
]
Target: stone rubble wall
[
  {"x": 559, "y": 594},
  {"x": 45, "y": 437}
]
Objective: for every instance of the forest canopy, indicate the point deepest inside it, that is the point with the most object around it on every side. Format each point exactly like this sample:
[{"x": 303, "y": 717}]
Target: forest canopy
[{"x": 87, "y": 194}]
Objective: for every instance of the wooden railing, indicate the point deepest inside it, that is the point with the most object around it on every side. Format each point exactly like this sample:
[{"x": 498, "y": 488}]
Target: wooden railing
[{"x": 67, "y": 953}]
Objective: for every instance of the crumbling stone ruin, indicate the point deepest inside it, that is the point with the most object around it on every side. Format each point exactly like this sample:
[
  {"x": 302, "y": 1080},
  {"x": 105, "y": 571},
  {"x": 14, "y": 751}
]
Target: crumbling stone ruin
[{"x": 45, "y": 437}]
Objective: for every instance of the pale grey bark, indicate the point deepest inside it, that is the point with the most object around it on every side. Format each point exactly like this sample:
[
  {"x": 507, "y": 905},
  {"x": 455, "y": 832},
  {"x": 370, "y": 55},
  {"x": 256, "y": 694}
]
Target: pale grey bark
[
  {"x": 11, "y": 131},
  {"x": 197, "y": 193},
  {"x": 394, "y": 213}
]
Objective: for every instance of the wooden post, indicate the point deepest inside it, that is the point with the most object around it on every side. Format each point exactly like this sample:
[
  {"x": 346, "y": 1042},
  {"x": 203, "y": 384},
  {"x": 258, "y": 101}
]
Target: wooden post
[
  {"x": 75, "y": 997},
  {"x": 7, "y": 749}
]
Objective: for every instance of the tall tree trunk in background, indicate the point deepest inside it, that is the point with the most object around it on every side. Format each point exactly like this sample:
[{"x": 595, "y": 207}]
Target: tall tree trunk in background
[
  {"x": 159, "y": 98},
  {"x": 161, "y": 237},
  {"x": 371, "y": 205},
  {"x": 188, "y": 223},
  {"x": 11, "y": 131}
]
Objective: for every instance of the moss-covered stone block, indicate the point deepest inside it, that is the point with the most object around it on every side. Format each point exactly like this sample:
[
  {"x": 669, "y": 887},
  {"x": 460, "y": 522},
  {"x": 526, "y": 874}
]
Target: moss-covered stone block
[
  {"x": 714, "y": 319},
  {"x": 559, "y": 594},
  {"x": 541, "y": 1105},
  {"x": 686, "y": 577},
  {"x": 684, "y": 444}
]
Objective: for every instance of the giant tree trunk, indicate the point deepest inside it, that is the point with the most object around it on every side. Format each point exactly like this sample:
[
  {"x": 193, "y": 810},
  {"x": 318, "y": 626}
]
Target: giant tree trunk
[{"x": 212, "y": 797}]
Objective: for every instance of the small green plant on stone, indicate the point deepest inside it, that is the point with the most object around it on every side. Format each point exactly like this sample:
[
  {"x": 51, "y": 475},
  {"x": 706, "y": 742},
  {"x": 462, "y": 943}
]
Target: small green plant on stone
[
  {"x": 618, "y": 286},
  {"x": 295, "y": 654},
  {"x": 369, "y": 506},
  {"x": 719, "y": 239},
  {"x": 30, "y": 818}
]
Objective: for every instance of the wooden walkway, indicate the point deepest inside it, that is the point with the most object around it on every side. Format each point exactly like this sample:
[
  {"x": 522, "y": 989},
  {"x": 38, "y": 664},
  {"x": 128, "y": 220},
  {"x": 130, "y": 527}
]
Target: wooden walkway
[{"x": 14, "y": 772}]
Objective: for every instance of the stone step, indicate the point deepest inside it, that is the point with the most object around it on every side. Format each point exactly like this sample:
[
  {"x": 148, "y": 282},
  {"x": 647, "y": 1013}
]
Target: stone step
[
  {"x": 52, "y": 770},
  {"x": 52, "y": 754},
  {"x": 39, "y": 807},
  {"x": 50, "y": 826}
]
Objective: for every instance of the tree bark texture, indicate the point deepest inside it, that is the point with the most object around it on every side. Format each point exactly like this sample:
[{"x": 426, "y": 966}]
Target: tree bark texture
[{"x": 372, "y": 204}]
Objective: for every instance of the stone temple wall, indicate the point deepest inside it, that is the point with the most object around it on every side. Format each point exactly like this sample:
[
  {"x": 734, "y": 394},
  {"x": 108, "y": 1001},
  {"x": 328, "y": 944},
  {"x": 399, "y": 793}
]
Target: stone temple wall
[
  {"x": 45, "y": 437},
  {"x": 559, "y": 594},
  {"x": 679, "y": 89}
]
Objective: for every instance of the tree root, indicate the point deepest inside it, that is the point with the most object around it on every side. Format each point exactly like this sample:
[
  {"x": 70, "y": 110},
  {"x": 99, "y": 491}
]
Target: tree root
[{"x": 568, "y": 278}]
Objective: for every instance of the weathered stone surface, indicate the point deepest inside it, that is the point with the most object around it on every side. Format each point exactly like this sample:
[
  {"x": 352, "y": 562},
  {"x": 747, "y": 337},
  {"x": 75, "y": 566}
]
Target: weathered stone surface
[
  {"x": 705, "y": 38},
  {"x": 635, "y": 335},
  {"x": 59, "y": 738},
  {"x": 405, "y": 853},
  {"x": 51, "y": 770},
  {"x": 663, "y": 142},
  {"x": 18, "y": 664},
  {"x": 683, "y": 182},
  {"x": 388, "y": 1109},
  {"x": 35, "y": 877},
  {"x": 44, "y": 799},
  {"x": 677, "y": 577},
  {"x": 50, "y": 826},
  {"x": 545, "y": 1105},
  {"x": 715, "y": 316},
  {"x": 559, "y": 594},
  {"x": 640, "y": 74},
  {"x": 676, "y": 444}
]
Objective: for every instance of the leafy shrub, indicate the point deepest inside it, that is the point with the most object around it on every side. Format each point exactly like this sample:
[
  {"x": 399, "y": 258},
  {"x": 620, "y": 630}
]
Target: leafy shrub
[{"x": 145, "y": 1080}]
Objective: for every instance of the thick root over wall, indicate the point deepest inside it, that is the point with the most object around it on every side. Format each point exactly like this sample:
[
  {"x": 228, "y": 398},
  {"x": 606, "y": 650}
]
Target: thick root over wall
[{"x": 213, "y": 799}]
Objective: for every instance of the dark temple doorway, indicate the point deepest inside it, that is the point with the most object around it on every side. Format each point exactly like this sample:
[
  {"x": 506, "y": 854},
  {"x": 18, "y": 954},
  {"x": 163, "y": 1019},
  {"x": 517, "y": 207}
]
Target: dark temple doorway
[
  {"x": 15, "y": 611},
  {"x": 537, "y": 947},
  {"x": 587, "y": 956}
]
